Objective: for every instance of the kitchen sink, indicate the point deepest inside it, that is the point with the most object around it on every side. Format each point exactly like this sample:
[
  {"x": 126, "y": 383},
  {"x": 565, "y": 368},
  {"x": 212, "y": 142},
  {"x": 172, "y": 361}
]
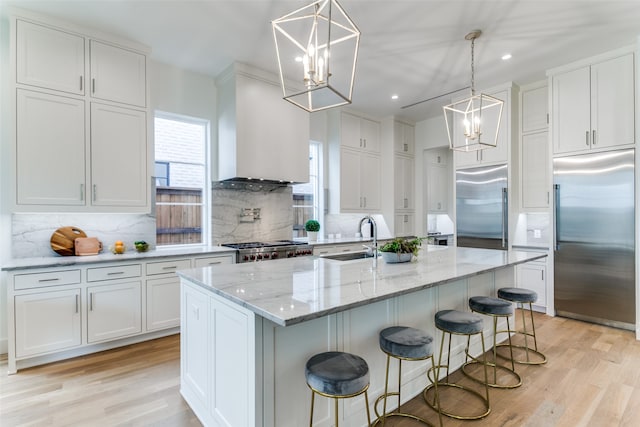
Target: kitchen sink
[{"x": 349, "y": 256}]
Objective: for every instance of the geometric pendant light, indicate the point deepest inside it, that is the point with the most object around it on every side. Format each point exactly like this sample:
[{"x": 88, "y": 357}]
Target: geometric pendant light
[
  {"x": 317, "y": 49},
  {"x": 473, "y": 123}
]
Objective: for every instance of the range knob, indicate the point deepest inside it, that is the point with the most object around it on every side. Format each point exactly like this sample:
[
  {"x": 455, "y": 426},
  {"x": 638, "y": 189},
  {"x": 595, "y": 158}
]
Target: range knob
[
  {"x": 290, "y": 254},
  {"x": 274, "y": 255},
  {"x": 253, "y": 257},
  {"x": 259, "y": 256},
  {"x": 245, "y": 258},
  {"x": 265, "y": 256}
]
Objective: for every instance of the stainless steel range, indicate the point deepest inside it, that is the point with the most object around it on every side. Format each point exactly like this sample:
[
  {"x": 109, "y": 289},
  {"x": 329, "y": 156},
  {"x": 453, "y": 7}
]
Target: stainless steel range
[{"x": 265, "y": 251}]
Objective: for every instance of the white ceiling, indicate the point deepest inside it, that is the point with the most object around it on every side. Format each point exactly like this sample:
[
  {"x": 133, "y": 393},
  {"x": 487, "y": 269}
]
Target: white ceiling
[{"x": 413, "y": 48}]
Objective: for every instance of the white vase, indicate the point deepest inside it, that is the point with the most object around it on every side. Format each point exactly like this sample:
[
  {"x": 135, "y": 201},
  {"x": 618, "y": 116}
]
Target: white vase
[
  {"x": 313, "y": 236},
  {"x": 393, "y": 258}
]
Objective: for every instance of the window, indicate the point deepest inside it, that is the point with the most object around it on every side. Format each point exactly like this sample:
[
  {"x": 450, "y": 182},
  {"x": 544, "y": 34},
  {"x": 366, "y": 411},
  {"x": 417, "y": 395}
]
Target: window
[
  {"x": 182, "y": 180},
  {"x": 306, "y": 197}
]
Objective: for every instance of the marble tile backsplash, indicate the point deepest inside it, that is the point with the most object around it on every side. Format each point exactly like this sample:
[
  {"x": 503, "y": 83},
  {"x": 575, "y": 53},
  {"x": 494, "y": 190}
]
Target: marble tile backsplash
[
  {"x": 276, "y": 215},
  {"x": 31, "y": 233}
]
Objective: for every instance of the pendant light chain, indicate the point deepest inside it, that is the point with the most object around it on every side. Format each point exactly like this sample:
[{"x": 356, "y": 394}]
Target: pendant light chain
[{"x": 473, "y": 82}]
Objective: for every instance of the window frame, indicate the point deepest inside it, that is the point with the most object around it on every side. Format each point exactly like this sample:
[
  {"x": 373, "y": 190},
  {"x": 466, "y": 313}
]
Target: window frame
[{"x": 206, "y": 237}]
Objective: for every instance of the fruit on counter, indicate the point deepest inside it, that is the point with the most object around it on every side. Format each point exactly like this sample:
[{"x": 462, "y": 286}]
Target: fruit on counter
[
  {"x": 141, "y": 246},
  {"x": 118, "y": 247}
]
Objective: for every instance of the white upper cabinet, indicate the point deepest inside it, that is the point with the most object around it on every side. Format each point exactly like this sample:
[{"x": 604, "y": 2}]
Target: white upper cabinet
[
  {"x": 359, "y": 181},
  {"x": 403, "y": 138},
  {"x": 361, "y": 133},
  {"x": 71, "y": 152},
  {"x": 404, "y": 186},
  {"x": 535, "y": 172},
  {"x": 118, "y": 74},
  {"x": 117, "y": 179},
  {"x": 534, "y": 109},
  {"x": 50, "y": 155},
  {"x": 49, "y": 58},
  {"x": 499, "y": 154},
  {"x": 593, "y": 105}
]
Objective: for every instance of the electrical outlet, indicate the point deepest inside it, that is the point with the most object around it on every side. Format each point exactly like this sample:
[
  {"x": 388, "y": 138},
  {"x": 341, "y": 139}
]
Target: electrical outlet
[{"x": 537, "y": 234}]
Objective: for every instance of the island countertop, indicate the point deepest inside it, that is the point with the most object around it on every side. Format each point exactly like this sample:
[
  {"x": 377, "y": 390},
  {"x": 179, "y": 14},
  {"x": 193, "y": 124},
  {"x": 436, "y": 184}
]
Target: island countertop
[{"x": 291, "y": 291}]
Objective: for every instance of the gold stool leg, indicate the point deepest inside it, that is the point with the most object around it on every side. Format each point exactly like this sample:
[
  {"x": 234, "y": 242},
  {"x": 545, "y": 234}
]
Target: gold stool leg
[
  {"x": 335, "y": 399},
  {"x": 528, "y": 360},
  {"x": 494, "y": 364},
  {"x": 437, "y": 384},
  {"x": 366, "y": 402},
  {"x": 313, "y": 394}
]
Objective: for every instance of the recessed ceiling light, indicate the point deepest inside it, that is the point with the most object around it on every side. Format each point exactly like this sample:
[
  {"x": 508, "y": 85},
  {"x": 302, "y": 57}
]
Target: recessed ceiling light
[
  {"x": 394, "y": 97},
  {"x": 506, "y": 56}
]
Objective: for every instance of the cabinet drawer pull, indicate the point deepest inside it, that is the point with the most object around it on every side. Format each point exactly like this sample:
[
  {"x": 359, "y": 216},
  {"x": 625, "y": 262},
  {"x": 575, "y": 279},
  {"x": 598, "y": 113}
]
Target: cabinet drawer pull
[
  {"x": 95, "y": 192},
  {"x": 77, "y": 305},
  {"x": 49, "y": 280},
  {"x": 80, "y": 82},
  {"x": 593, "y": 137},
  {"x": 542, "y": 274},
  {"x": 170, "y": 267},
  {"x": 405, "y": 147},
  {"x": 215, "y": 262},
  {"x": 586, "y": 138},
  {"x": 93, "y": 85},
  {"x": 91, "y": 301},
  {"x": 115, "y": 273},
  {"x": 82, "y": 192}
]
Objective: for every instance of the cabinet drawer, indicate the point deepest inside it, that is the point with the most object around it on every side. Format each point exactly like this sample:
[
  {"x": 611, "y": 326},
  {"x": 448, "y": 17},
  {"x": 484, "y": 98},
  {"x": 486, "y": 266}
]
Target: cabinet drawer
[
  {"x": 115, "y": 272},
  {"x": 170, "y": 266},
  {"x": 39, "y": 280},
  {"x": 214, "y": 260}
]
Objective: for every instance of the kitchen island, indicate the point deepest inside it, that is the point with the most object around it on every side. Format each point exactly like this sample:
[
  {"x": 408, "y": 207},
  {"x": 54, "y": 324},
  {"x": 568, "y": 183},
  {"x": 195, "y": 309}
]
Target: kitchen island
[{"x": 248, "y": 329}]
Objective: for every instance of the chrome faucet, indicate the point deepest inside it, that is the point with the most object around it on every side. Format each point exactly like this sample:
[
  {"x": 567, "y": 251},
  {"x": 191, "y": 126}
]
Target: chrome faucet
[{"x": 375, "y": 233}]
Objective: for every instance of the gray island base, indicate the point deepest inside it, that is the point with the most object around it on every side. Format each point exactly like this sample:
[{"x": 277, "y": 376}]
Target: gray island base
[{"x": 248, "y": 329}]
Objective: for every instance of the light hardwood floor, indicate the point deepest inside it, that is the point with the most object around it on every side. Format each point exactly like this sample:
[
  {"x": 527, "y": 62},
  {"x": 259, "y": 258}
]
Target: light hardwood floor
[{"x": 592, "y": 379}]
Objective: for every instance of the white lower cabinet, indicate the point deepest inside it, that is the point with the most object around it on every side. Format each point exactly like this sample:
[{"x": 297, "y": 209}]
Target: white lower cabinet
[
  {"x": 533, "y": 275},
  {"x": 163, "y": 303},
  {"x": 47, "y": 321},
  {"x": 55, "y": 313},
  {"x": 194, "y": 343},
  {"x": 114, "y": 311}
]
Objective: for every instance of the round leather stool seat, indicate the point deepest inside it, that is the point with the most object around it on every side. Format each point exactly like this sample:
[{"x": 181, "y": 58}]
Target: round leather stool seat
[
  {"x": 491, "y": 305},
  {"x": 458, "y": 322},
  {"x": 518, "y": 295},
  {"x": 335, "y": 373},
  {"x": 406, "y": 342}
]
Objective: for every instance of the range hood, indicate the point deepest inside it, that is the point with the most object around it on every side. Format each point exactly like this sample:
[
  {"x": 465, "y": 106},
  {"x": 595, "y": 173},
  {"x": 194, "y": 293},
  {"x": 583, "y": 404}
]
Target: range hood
[{"x": 261, "y": 137}]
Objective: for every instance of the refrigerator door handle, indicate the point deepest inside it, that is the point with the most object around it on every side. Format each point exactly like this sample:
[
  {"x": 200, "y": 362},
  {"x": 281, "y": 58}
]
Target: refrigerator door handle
[
  {"x": 556, "y": 206},
  {"x": 505, "y": 205}
]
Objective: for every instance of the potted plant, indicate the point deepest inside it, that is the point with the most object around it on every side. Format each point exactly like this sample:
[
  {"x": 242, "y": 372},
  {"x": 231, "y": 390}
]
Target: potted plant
[
  {"x": 401, "y": 250},
  {"x": 312, "y": 226}
]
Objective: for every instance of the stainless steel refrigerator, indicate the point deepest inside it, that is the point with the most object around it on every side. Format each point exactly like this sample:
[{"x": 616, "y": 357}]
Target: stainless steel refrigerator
[
  {"x": 594, "y": 257},
  {"x": 481, "y": 207}
]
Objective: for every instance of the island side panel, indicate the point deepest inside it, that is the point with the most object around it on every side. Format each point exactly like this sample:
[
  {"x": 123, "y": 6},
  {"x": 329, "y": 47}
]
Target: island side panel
[
  {"x": 219, "y": 379},
  {"x": 287, "y": 398}
]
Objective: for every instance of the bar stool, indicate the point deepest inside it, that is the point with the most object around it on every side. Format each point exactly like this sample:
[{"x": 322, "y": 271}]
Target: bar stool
[
  {"x": 496, "y": 308},
  {"x": 522, "y": 296},
  {"x": 454, "y": 322},
  {"x": 403, "y": 343},
  {"x": 337, "y": 375}
]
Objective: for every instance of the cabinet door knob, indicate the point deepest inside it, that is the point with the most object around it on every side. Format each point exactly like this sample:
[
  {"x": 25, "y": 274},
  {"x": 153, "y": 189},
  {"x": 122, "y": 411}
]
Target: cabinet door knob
[
  {"x": 593, "y": 137},
  {"x": 586, "y": 138},
  {"x": 81, "y": 83}
]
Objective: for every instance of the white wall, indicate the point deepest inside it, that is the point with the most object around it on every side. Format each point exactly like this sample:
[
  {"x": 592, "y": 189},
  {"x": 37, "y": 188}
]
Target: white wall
[{"x": 178, "y": 91}]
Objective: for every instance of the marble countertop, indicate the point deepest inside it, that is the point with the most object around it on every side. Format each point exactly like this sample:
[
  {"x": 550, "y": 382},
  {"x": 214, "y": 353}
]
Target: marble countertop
[
  {"x": 106, "y": 256},
  {"x": 291, "y": 291}
]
